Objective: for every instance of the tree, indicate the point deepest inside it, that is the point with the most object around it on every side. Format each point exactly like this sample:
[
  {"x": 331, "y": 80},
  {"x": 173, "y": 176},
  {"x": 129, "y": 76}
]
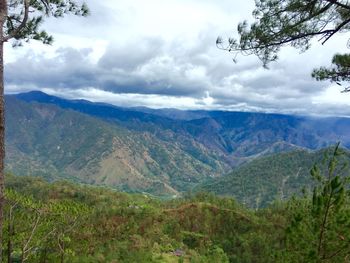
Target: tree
[
  {"x": 20, "y": 20},
  {"x": 294, "y": 23},
  {"x": 40, "y": 229},
  {"x": 319, "y": 227}
]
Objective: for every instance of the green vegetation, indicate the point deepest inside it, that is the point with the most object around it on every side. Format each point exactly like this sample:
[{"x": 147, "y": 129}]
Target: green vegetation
[
  {"x": 67, "y": 222},
  {"x": 71, "y": 222},
  {"x": 325, "y": 220},
  {"x": 264, "y": 180},
  {"x": 20, "y": 21}
]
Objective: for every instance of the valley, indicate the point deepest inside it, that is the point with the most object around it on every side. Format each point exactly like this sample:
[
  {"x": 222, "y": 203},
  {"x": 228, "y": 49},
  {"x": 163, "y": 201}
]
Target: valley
[
  {"x": 174, "y": 131},
  {"x": 167, "y": 152}
]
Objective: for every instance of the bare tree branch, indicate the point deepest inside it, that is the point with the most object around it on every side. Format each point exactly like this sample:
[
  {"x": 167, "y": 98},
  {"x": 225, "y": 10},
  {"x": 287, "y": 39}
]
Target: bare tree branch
[{"x": 24, "y": 249}]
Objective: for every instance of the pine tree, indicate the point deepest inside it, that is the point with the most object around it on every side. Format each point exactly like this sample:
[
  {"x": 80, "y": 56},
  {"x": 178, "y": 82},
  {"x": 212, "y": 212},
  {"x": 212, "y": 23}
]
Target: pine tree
[
  {"x": 294, "y": 23},
  {"x": 319, "y": 229}
]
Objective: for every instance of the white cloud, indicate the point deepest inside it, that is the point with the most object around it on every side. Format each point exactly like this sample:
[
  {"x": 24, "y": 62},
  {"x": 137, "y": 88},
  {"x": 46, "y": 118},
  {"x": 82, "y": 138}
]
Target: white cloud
[{"x": 160, "y": 53}]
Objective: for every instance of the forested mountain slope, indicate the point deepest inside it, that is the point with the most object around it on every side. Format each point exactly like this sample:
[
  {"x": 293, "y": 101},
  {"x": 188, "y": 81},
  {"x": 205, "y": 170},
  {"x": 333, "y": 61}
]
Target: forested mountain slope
[
  {"x": 266, "y": 179},
  {"x": 46, "y": 140},
  {"x": 135, "y": 149},
  {"x": 235, "y": 135}
]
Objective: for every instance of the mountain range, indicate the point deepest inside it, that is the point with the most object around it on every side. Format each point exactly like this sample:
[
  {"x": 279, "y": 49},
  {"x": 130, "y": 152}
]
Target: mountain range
[{"x": 162, "y": 152}]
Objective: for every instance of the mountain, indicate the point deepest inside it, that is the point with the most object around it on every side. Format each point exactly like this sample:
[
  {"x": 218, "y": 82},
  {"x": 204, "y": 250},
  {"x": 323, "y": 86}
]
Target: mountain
[
  {"x": 236, "y": 136},
  {"x": 46, "y": 140},
  {"x": 175, "y": 114},
  {"x": 161, "y": 152},
  {"x": 266, "y": 179}
]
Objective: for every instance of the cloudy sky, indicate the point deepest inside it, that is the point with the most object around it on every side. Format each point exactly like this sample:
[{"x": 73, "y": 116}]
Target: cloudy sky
[{"x": 162, "y": 53}]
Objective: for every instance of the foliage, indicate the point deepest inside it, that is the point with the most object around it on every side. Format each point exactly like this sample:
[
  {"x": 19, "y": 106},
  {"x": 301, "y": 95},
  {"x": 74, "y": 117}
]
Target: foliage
[
  {"x": 319, "y": 229},
  {"x": 112, "y": 226},
  {"x": 338, "y": 73},
  {"x": 34, "y": 227},
  {"x": 24, "y": 18},
  {"x": 69, "y": 222},
  {"x": 260, "y": 182},
  {"x": 295, "y": 23},
  {"x": 21, "y": 20}
]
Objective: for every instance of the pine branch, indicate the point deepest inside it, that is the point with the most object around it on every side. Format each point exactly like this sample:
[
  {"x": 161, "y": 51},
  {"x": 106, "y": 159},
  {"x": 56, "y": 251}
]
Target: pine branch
[
  {"x": 22, "y": 25},
  {"x": 339, "y": 4},
  {"x": 337, "y": 29}
]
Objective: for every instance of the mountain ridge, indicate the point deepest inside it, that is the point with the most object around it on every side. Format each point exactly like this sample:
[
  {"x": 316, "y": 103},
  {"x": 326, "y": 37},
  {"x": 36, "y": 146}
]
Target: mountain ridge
[
  {"x": 71, "y": 144},
  {"x": 269, "y": 178},
  {"x": 136, "y": 151},
  {"x": 228, "y": 126}
]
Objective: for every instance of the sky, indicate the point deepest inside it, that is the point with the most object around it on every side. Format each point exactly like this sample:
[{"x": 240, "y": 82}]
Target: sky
[{"x": 162, "y": 54}]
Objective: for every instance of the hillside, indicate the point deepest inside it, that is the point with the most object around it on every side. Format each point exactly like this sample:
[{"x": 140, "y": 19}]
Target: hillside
[
  {"x": 267, "y": 179},
  {"x": 236, "y": 136},
  {"x": 162, "y": 153},
  {"x": 99, "y": 225},
  {"x": 79, "y": 223},
  {"x": 56, "y": 143}
]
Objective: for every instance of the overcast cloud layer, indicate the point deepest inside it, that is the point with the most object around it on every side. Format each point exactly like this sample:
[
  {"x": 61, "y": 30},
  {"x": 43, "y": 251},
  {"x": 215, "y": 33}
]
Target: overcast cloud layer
[{"x": 160, "y": 53}]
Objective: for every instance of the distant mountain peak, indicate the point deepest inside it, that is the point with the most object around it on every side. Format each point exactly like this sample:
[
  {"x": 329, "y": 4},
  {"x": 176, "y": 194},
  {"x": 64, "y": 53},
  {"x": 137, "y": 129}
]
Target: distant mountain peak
[
  {"x": 36, "y": 95},
  {"x": 35, "y": 92}
]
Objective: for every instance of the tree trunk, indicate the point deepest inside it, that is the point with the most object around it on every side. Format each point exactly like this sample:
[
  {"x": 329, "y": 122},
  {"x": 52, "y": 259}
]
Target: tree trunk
[
  {"x": 2, "y": 146},
  {"x": 3, "y": 14}
]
